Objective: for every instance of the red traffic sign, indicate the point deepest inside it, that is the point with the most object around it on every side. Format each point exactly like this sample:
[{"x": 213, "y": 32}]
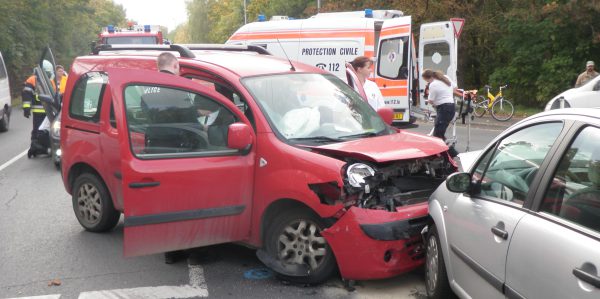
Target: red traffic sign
[{"x": 458, "y": 24}]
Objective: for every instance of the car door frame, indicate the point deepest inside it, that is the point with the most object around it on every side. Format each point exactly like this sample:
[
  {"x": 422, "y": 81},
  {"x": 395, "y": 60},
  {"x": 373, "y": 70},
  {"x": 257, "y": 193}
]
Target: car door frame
[
  {"x": 139, "y": 238},
  {"x": 525, "y": 208},
  {"x": 543, "y": 182}
]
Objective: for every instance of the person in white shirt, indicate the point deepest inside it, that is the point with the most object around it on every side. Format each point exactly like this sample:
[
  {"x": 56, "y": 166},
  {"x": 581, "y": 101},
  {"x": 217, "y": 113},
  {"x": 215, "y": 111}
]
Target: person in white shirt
[
  {"x": 441, "y": 92},
  {"x": 362, "y": 66}
]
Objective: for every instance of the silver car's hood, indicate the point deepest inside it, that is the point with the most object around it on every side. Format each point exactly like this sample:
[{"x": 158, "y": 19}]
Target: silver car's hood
[{"x": 466, "y": 160}]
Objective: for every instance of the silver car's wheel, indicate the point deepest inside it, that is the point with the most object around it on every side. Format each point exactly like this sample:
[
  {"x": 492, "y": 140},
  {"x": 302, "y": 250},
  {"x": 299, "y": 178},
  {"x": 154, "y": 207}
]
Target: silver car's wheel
[
  {"x": 432, "y": 264},
  {"x": 92, "y": 204},
  {"x": 301, "y": 243},
  {"x": 436, "y": 279},
  {"x": 294, "y": 238}
]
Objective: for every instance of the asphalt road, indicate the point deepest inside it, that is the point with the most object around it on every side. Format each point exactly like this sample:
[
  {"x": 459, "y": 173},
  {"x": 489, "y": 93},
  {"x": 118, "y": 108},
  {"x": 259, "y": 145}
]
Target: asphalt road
[{"x": 41, "y": 241}]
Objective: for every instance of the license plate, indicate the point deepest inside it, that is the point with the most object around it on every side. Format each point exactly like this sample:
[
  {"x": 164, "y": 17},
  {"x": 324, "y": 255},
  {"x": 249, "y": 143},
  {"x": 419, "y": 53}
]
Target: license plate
[{"x": 398, "y": 115}]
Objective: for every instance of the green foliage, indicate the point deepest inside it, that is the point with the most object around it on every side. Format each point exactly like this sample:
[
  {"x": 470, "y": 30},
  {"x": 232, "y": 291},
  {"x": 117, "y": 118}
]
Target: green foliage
[{"x": 68, "y": 27}]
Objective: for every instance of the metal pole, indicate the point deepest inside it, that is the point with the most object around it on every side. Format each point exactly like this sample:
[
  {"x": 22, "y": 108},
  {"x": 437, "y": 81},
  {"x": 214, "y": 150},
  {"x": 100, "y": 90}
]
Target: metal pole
[
  {"x": 245, "y": 17},
  {"x": 318, "y": 5}
]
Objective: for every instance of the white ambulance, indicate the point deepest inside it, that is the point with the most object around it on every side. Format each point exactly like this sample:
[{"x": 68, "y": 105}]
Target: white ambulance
[{"x": 329, "y": 40}]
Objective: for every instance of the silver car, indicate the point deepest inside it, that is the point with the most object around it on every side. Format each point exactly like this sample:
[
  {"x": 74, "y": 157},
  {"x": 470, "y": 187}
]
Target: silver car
[{"x": 523, "y": 221}]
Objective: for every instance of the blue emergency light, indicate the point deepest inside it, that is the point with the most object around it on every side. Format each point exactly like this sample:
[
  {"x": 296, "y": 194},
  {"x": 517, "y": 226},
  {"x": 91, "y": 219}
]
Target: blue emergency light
[
  {"x": 110, "y": 28},
  {"x": 261, "y": 18},
  {"x": 368, "y": 13},
  {"x": 146, "y": 28}
]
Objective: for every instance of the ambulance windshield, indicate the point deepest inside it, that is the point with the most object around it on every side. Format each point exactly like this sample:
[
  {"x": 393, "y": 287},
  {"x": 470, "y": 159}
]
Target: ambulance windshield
[{"x": 314, "y": 106}]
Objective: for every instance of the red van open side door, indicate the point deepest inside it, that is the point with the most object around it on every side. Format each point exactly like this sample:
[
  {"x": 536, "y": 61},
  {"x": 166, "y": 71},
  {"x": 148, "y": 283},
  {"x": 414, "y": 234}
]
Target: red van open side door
[{"x": 182, "y": 186}]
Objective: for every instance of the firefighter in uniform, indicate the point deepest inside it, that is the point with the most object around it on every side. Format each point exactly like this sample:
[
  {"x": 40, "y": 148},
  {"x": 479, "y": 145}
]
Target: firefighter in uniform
[{"x": 32, "y": 105}]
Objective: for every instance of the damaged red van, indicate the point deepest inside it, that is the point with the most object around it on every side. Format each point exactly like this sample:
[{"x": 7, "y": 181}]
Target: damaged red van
[{"x": 248, "y": 148}]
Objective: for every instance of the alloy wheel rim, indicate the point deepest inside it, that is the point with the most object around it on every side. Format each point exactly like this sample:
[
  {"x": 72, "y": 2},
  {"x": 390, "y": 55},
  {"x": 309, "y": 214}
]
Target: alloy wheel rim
[
  {"x": 301, "y": 243},
  {"x": 89, "y": 204},
  {"x": 432, "y": 264}
]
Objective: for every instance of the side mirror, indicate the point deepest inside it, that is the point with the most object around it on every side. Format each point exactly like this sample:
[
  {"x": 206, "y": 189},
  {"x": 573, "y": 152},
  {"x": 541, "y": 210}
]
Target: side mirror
[
  {"x": 387, "y": 114},
  {"x": 239, "y": 136},
  {"x": 45, "y": 98},
  {"x": 459, "y": 182}
]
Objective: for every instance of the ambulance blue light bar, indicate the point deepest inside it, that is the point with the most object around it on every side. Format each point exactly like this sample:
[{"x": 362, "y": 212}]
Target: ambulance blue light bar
[
  {"x": 261, "y": 18},
  {"x": 368, "y": 13},
  {"x": 110, "y": 28},
  {"x": 146, "y": 28}
]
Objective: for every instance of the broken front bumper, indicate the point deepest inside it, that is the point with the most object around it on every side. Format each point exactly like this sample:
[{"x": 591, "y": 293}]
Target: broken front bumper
[{"x": 374, "y": 244}]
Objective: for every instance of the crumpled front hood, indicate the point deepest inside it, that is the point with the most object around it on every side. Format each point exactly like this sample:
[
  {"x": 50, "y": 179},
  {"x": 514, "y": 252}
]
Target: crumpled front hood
[{"x": 399, "y": 146}]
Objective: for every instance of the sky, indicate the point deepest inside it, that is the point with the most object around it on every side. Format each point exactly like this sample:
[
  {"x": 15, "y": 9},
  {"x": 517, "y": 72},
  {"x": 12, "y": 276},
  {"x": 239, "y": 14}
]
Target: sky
[{"x": 168, "y": 13}]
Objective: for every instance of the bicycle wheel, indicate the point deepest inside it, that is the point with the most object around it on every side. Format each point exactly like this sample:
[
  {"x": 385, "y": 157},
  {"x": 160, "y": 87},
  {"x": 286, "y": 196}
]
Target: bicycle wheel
[
  {"x": 502, "y": 110},
  {"x": 480, "y": 107}
]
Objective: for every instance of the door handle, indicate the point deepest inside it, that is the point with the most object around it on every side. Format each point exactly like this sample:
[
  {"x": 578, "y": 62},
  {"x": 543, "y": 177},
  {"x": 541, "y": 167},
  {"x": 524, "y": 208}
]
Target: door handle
[
  {"x": 500, "y": 233},
  {"x": 587, "y": 277},
  {"x": 137, "y": 185}
]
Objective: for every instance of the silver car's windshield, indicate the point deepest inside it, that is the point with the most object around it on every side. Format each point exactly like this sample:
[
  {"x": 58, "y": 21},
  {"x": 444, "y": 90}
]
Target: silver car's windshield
[{"x": 314, "y": 106}]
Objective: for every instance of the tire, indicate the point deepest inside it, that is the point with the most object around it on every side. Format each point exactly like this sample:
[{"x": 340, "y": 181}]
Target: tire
[
  {"x": 502, "y": 110},
  {"x": 437, "y": 285},
  {"x": 300, "y": 224},
  {"x": 480, "y": 108},
  {"x": 92, "y": 204},
  {"x": 5, "y": 122}
]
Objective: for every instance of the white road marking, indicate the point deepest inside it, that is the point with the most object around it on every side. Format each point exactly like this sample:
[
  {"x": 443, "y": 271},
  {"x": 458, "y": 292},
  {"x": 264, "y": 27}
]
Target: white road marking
[
  {"x": 196, "y": 288},
  {"x": 56, "y": 296},
  {"x": 11, "y": 161},
  {"x": 162, "y": 292}
]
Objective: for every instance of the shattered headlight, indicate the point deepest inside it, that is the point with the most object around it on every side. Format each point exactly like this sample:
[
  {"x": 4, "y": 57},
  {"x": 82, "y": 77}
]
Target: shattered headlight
[
  {"x": 55, "y": 129},
  {"x": 358, "y": 172}
]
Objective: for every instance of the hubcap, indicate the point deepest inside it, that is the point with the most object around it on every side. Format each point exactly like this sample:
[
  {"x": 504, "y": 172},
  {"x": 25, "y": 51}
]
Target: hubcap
[
  {"x": 432, "y": 264},
  {"x": 301, "y": 243},
  {"x": 89, "y": 204}
]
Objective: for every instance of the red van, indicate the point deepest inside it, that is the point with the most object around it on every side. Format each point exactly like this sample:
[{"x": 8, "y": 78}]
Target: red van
[{"x": 249, "y": 148}]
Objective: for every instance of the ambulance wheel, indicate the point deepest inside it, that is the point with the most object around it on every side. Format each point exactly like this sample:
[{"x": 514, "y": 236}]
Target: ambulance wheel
[
  {"x": 30, "y": 153},
  {"x": 294, "y": 238},
  {"x": 92, "y": 204}
]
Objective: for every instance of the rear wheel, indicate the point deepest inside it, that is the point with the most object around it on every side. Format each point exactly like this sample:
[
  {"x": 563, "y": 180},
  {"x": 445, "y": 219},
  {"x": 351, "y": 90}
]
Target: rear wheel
[
  {"x": 502, "y": 110},
  {"x": 436, "y": 278},
  {"x": 294, "y": 238},
  {"x": 92, "y": 204},
  {"x": 5, "y": 122},
  {"x": 480, "y": 106}
]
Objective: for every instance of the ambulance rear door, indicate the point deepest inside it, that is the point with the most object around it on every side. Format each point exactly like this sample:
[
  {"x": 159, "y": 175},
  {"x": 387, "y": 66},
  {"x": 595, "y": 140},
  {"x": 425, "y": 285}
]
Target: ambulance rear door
[
  {"x": 393, "y": 65},
  {"x": 437, "y": 51}
]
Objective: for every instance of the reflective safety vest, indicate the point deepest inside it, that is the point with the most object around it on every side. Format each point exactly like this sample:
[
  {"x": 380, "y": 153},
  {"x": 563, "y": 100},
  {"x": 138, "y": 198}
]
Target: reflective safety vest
[{"x": 30, "y": 98}]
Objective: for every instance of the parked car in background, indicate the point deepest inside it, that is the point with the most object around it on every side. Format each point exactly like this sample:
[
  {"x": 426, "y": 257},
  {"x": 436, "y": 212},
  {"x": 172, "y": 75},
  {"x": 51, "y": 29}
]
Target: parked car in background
[
  {"x": 523, "y": 221},
  {"x": 5, "y": 99},
  {"x": 247, "y": 148},
  {"x": 585, "y": 96}
]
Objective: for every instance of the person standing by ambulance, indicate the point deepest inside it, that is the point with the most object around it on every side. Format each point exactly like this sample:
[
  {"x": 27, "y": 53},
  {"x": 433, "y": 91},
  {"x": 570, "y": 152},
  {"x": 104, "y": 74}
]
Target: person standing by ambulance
[
  {"x": 441, "y": 97},
  {"x": 588, "y": 75},
  {"x": 362, "y": 66}
]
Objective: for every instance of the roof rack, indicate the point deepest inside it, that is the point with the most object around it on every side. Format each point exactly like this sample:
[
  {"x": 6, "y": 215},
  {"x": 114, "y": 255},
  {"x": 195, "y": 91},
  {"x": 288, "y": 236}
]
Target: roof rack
[
  {"x": 183, "y": 51},
  {"x": 232, "y": 48}
]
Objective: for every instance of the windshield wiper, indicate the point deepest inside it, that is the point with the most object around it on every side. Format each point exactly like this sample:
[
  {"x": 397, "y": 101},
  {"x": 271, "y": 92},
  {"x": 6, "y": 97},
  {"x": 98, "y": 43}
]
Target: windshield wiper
[
  {"x": 317, "y": 139},
  {"x": 365, "y": 134}
]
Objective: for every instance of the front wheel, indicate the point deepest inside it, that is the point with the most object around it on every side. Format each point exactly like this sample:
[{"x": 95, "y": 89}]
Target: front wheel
[
  {"x": 480, "y": 107},
  {"x": 294, "y": 238},
  {"x": 436, "y": 278},
  {"x": 502, "y": 110},
  {"x": 92, "y": 204}
]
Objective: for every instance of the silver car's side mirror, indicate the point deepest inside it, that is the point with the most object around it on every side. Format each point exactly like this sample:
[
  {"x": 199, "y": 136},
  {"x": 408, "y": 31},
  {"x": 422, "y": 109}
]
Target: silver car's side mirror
[{"x": 459, "y": 182}]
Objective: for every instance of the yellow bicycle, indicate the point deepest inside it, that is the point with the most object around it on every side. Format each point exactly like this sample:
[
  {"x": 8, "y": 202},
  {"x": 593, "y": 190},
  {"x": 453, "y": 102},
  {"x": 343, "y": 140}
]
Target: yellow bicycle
[{"x": 500, "y": 108}]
